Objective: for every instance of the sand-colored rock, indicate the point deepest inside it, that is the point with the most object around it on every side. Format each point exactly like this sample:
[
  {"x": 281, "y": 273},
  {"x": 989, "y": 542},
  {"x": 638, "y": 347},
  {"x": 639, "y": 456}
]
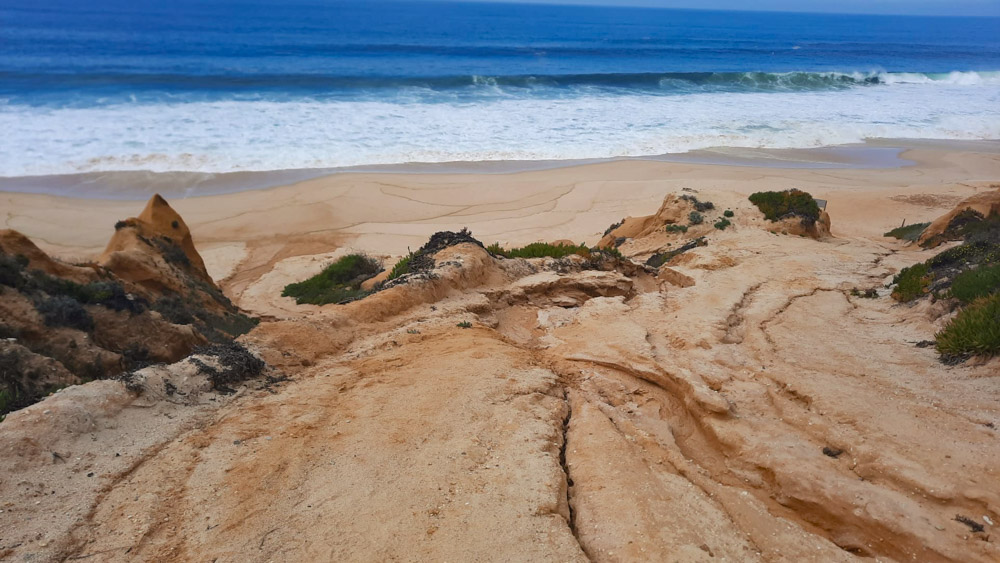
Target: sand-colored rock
[
  {"x": 16, "y": 244},
  {"x": 985, "y": 203},
  {"x": 585, "y": 414},
  {"x": 673, "y": 277},
  {"x": 157, "y": 219},
  {"x": 673, "y": 211}
]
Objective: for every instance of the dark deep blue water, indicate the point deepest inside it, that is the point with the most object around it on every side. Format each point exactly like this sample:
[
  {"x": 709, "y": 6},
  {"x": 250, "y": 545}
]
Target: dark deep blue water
[{"x": 245, "y": 84}]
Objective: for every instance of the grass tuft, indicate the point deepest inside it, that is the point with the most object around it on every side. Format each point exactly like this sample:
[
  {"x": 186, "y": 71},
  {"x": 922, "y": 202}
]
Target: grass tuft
[
  {"x": 339, "y": 282},
  {"x": 722, "y": 224},
  {"x": 677, "y": 228},
  {"x": 695, "y": 218}
]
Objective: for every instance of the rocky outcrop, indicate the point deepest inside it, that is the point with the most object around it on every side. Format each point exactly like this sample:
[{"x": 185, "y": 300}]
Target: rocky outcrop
[
  {"x": 147, "y": 299},
  {"x": 949, "y": 226},
  {"x": 674, "y": 210},
  {"x": 543, "y": 410},
  {"x": 819, "y": 229}
]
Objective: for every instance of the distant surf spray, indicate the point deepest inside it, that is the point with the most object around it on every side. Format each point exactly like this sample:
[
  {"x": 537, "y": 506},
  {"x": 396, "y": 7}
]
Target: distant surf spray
[
  {"x": 240, "y": 86},
  {"x": 498, "y": 118}
]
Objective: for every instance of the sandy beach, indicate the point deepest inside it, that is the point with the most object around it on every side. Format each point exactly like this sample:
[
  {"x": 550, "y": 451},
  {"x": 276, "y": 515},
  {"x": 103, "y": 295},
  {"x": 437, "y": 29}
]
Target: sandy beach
[{"x": 387, "y": 213}]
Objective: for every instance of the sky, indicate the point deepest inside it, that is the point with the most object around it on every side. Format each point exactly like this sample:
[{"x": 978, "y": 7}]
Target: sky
[{"x": 906, "y": 7}]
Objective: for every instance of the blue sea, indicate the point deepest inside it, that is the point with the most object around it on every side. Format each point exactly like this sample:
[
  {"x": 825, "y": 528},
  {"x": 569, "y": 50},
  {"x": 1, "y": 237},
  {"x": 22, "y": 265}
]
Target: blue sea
[{"x": 236, "y": 85}]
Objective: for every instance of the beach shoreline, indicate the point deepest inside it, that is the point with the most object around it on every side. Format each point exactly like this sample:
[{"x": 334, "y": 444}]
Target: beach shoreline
[{"x": 139, "y": 185}]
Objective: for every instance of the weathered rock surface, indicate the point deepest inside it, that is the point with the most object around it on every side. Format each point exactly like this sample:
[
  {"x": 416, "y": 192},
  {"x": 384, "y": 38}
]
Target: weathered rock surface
[{"x": 760, "y": 414}]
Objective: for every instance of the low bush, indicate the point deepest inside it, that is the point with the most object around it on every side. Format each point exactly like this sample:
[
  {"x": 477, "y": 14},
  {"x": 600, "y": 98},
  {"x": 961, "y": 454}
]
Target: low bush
[
  {"x": 909, "y": 232},
  {"x": 975, "y": 331},
  {"x": 789, "y": 203},
  {"x": 677, "y": 228},
  {"x": 695, "y": 218},
  {"x": 62, "y": 310},
  {"x": 339, "y": 282},
  {"x": 722, "y": 224},
  {"x": 700, "y": 206},
  {"x": 12, "y": 270},
  {"x": 237, "y": 364},
  {"x": 973, "y": 284},
  {"x": 911, "y": 282},
  {"x": 728, "y": 213}
]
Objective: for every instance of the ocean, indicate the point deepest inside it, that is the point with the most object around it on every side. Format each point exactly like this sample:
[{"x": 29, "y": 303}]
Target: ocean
[{"x": 246, "y": 85}]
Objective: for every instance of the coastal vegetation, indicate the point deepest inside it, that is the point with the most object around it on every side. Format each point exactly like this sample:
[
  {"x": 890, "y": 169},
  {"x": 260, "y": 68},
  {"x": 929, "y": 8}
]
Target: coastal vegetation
[
  {"x": 907, "y": 232},
  {"x": 969, "y": 274},
  {"x": 340, "y": 282},
  {"x": 539, "y": 250},
  {"x": 695, "y": 218},
  {"x": 789, "y": 203},
  {"x": 975, "y": 331},
  {"x": 676, "y": 228}
]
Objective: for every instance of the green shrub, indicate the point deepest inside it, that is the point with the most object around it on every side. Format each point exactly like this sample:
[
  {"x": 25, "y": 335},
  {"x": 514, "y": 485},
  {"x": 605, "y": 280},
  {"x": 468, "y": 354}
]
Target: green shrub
[
  {"x": 400, "y": 268},
  {"x": 973, "y": 284},
  {"x": 722, "y": 224},
  {"x": 909, "y": 232},
  {"x": 728, "y": 213},
  {"x": 541, "y": 250},
  {"x": 696, "y": 218},
  {"x": 465, "y": 324},
  {"x": 911, "y": 282},
  {"x": 677, "y": 228},
  {"x": 975, "y": 331},
  {"x": 789, "y": 203},
  {"x": 62, "y": 310},
  {"x": 339, "y": 282}
]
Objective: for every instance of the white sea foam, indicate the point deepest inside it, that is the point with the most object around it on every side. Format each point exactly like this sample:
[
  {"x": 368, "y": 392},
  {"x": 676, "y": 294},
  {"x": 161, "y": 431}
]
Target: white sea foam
[{"x": 268, "y": 135}]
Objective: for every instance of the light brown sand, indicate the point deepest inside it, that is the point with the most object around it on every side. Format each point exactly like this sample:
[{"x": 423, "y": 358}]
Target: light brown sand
[{"x": 386, "y": 214}]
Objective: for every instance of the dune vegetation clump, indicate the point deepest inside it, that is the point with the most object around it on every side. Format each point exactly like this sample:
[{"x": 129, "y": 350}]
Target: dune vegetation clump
[
  {"x": 908, "y": 232},
  {"x": 790, "y": 203},
  {"x": 675, "y": 228},
  {"x": 912, "y": 282},
  {"x": 540, "y": 250},
  {"x": 973, "y": 284},
  {"x": 695, "y": 218},
  {"x": 975, "y": 331},
  {"x": 721, "y": 224},
  {"x": 339, "y": 282}
]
